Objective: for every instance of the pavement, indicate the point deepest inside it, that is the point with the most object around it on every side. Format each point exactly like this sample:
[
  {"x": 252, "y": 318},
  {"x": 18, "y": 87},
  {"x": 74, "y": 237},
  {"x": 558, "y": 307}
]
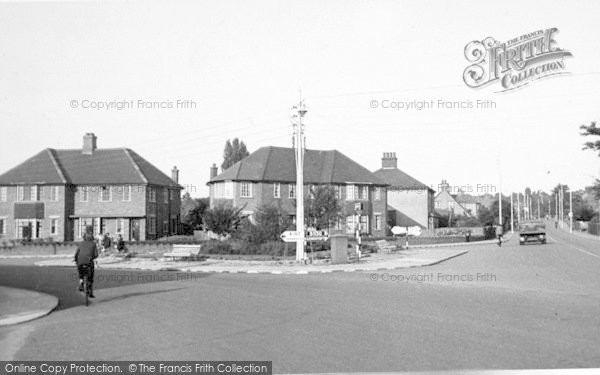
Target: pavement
[{"x": 20, "y": 305}]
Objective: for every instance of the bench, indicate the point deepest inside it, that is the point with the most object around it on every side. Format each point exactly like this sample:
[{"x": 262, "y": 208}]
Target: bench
[
  {"x": 385, "y": 247},
  {"x": 183, "y": 252}
]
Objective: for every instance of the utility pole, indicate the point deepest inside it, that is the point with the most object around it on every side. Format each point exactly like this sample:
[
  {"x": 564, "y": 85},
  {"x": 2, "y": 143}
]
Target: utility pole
[
  {"x": 538, "y": 202},
  {"x": 298, "y": 113},
  {"x": 512, "y": 220},
  {"x": 518, "y": 207},
  {"x": 499, "y": 193},
  {"x": 571, "y": 210}
]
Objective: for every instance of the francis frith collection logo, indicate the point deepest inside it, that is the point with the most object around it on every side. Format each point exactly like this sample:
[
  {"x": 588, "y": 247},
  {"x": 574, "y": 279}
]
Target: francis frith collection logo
[{"x": 515, "y": 63}]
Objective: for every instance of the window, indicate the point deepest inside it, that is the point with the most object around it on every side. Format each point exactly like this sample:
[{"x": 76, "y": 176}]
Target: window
[
  {"x": 338, "y": 192},
  {"x": 2, "y": 226},
  {"x": 377, "y": 193},
  {"x": 40, "y": 194},
  {"x": 54, "y": 193},
  {"x": 105, "y": 194},
  {"x": 54, "y": 226},
  {"x": 84, "y": 224},
  {"x": 84, "y": 194},
  {"x": 27, "y": 193},
  {"x": 127, "y": 193},
  {"x": 276, "y": 190},
  {"x": 246, "y": 190},
  {"x": 166, "y": 195},
  {"x": 3, "y": 193},
  {"x": 223, "y": 189},
  {"x": 152, "y": 225},
  {"x": 292, "y": 191},
  {"x": 377, "y": 222},
  {"x": 364, "y": 224},
  {"x": 350, "y": 225},
  {"x": 172, "y": 195},
  {"x": 165, "y": 227},
  {"x": 350, "y": 192},
  {"x": 361, "y": 192},
  {"x": 120, "y": 226},
  {"x": 151, "y": 194}
]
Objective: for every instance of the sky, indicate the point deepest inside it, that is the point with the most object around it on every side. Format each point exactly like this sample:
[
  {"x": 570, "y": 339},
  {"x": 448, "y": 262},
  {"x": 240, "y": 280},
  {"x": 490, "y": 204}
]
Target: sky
[{"x": 226, "y": 69}]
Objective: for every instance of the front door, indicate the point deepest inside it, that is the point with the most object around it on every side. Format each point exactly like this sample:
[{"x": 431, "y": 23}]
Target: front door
[{"x": 134, "y": 230}]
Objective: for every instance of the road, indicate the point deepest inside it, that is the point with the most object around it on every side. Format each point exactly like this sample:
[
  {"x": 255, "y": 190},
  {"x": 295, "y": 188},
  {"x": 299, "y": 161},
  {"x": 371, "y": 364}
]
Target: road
[{"x": 532, "y": 306}]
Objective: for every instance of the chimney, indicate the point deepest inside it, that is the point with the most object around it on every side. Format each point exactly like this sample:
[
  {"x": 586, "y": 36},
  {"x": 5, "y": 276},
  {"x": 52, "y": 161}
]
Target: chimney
[
  {"x": 444, "y": 186},
  {"x": 389, "y": 160},
  {"x": 175, "y": 174},
  {"x": 89, "y": 143},
  {"x": 213, "y": 171}
]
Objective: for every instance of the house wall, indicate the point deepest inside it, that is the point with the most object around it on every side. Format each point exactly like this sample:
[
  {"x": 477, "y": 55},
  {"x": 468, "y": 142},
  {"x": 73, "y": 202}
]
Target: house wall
[
  {"x": 444, "y": 201},
  {"x": 415, "y": 204},
  {"x": 262, "y": 193}
]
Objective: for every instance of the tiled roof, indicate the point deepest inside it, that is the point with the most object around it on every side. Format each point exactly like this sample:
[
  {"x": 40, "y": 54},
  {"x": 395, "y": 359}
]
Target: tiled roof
[
  {"x": 466, "y": 198},
  {"x": 400, "y": 180},
  {"x": 103, "y": 166},
  {"x": 278, "y": 164}
]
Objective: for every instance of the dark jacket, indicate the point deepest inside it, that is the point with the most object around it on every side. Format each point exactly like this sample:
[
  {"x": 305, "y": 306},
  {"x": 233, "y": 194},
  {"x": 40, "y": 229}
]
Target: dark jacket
[
  {"x": 106, "y": 242},
  {"x": 86, "y": 253}
]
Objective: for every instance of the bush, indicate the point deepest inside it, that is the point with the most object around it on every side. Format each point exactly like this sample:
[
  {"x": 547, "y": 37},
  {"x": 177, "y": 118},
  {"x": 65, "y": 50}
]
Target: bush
[
  {"x": 276, "y": 249},
  {"x": 217, "y": 247}
]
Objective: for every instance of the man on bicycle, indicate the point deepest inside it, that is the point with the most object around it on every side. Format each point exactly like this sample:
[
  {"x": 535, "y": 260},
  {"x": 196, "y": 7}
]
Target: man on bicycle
[{"x": 84, "y": 257}]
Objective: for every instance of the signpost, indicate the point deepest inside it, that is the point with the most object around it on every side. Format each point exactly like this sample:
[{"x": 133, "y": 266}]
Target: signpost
[{"x": 291, "y": 236}]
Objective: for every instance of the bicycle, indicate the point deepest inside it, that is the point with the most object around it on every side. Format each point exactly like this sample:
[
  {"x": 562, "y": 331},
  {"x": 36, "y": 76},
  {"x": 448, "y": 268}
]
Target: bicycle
[{"x": 86, "y": 285}]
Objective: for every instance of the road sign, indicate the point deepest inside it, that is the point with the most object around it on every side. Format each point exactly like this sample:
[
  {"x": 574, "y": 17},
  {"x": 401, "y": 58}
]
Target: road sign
[
  {"x": 313, "y": 234},
  {"x": 414, "y": 231},
  {"x": 291, "y": 236},
  {"x": 397, "y": 230}
]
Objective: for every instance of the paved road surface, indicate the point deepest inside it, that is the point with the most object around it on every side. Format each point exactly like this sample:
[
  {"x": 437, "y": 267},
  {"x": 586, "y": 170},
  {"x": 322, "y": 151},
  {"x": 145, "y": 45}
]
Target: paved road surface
[{"x": 533, "y": 306}]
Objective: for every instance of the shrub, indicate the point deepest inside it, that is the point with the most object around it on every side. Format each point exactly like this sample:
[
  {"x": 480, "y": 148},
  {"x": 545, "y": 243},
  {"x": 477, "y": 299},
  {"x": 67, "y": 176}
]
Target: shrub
[{"x": 218, "y": 247}]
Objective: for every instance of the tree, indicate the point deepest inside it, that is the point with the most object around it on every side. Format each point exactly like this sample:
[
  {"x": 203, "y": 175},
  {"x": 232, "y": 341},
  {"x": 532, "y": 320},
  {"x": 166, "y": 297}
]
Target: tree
[
  {"x": 223, "y": 219},
  {"x": 191, "y": 212},
  {"x": 234, "y": 151},
  {"x": 269, "y": 222},
  {"x": 485, "y": 215},
  {"x": 594, "y": 131},
  {"x": 322, "y": 207}
]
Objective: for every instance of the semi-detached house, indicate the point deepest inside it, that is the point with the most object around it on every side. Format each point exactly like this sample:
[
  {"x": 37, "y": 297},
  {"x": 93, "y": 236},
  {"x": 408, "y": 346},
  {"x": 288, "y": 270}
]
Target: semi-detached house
[
  {"x": 59, "y": 194},
  {"x": 268, "y": 176}
]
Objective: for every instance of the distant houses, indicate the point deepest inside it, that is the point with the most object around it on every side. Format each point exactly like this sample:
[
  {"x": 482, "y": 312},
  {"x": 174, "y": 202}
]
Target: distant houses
[
  {"x": 59, "y": 194},
  {"x": 268, "y": 176}
]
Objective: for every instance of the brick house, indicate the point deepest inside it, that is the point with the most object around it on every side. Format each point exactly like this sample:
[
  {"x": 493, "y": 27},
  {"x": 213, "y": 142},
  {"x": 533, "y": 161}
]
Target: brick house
[
  {"x": 58, "y": 193},
  {"x": 268, "y": 175},
  {"x": 410, "y": 202}
]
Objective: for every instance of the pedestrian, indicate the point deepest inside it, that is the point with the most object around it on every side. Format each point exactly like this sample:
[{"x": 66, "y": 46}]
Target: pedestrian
[
  {"x": 84, "y": 258},
  {"x": 120, "y": 244},
  {"x": 499, "y": 233},
  {"x": 106, "y": 242}
]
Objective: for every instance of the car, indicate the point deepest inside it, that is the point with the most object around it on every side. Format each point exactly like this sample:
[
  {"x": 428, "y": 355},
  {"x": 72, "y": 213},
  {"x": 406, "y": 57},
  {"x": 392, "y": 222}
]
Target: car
[{"x": 532, "y": 231}]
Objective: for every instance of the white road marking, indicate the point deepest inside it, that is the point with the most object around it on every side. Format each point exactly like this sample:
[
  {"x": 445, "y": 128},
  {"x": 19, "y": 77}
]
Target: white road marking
[{"x": 576, "y": 248}]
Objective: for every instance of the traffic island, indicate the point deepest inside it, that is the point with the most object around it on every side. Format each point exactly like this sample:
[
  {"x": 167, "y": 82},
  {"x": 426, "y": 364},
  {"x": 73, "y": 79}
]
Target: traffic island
[{"x": 20, "y": 305}]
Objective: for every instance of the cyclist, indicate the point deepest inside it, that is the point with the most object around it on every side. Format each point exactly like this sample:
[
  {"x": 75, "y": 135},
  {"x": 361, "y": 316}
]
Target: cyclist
[{"x": 84, "y": 257}]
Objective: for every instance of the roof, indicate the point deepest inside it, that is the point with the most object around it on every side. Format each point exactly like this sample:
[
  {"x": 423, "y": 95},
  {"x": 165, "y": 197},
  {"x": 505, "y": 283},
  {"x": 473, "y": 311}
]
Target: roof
[
  {"x": 400, "y": 180},
  {"x": 466, "y": 198},
  {"x": 278, "y": 164},
  {"x": 103, "y": 166}
]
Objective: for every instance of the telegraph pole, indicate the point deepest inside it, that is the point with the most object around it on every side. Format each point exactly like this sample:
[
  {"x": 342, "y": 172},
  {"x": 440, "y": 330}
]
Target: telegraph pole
[
  {"x": 298, "y": 113},
  {"x": 512, "y": 219},
  {"x": 571, "y": 210},
  {"x": 518, "y": 207}
]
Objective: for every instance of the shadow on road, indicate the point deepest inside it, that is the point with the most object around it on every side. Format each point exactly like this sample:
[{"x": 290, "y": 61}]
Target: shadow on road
[{"x": 62, "y": 281}]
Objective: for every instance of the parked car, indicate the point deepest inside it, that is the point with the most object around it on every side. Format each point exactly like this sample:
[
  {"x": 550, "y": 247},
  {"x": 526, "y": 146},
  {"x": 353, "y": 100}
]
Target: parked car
[{"x": 532, "y": 230}]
